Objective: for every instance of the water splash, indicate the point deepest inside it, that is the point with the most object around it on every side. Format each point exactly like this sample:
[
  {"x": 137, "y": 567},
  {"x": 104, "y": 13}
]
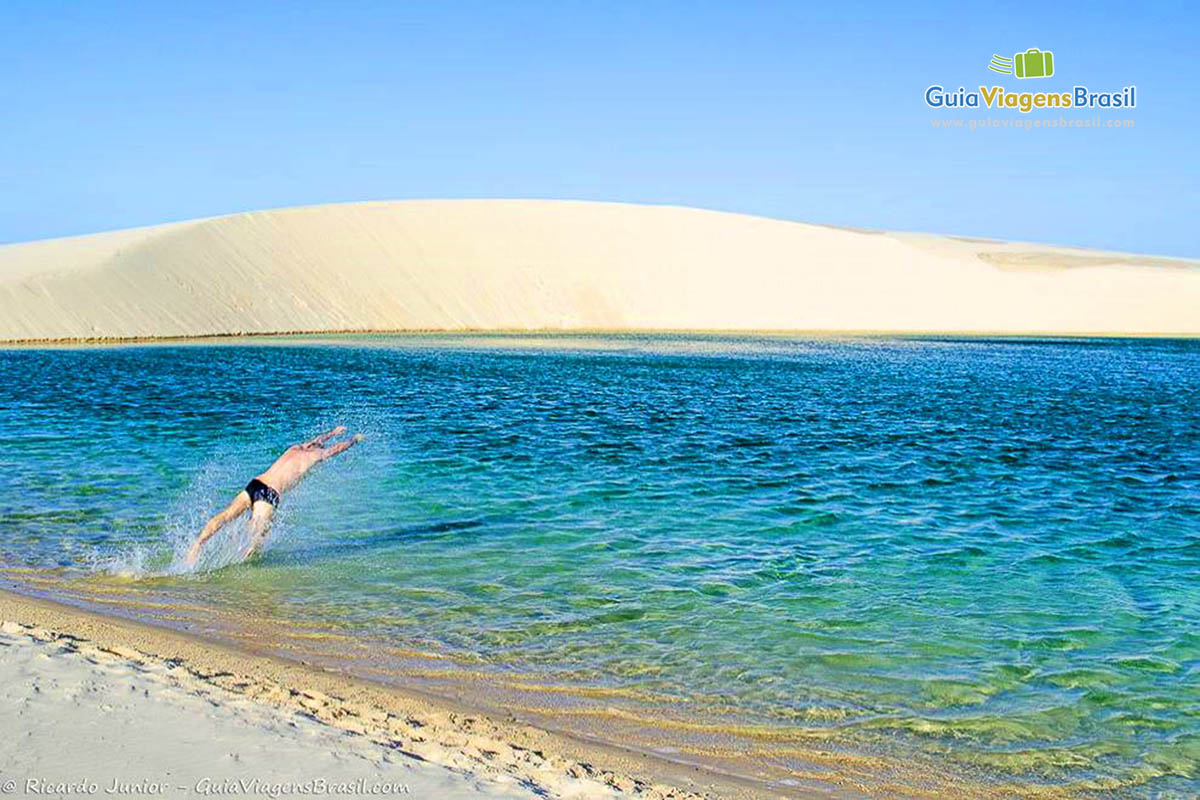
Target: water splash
[
  {"x": 166, "y": 554},
  {"x": 208, "y": 493}
]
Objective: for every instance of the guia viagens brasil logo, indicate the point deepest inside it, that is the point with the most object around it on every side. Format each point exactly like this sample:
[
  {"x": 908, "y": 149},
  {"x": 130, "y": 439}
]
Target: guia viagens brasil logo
[{"x": 1031, "y": 63}]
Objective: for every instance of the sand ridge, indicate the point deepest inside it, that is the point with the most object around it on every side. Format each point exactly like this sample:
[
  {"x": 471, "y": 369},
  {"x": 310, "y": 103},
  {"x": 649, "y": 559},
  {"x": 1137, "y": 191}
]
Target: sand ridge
[{"x": 455, "y": 265}]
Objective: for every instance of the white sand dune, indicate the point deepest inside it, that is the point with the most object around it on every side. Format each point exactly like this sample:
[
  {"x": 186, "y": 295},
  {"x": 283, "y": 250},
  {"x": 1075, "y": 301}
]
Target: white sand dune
[{"x": 532, "y": 265}]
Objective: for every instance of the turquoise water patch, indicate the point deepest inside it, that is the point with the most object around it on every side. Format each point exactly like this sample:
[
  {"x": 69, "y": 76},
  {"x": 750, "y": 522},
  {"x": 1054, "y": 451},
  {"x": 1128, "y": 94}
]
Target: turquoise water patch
[{"x": 986, "y": 550}]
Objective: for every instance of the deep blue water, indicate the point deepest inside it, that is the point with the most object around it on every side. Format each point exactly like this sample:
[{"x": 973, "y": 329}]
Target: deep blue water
[{"x": 983, "y": 549}]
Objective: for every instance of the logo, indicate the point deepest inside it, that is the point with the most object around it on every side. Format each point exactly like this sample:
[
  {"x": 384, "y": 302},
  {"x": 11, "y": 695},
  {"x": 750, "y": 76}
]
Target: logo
[{"x": 1033, "y": 63}]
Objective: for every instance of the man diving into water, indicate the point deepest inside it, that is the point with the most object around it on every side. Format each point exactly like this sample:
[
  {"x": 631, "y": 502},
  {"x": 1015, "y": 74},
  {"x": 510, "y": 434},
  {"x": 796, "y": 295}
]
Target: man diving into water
[{"x": 262, "y": 495}]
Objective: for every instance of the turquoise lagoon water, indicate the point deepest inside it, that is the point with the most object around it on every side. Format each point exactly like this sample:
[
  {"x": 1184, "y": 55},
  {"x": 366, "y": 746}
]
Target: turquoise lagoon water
[{"x": 981, "y": 551}]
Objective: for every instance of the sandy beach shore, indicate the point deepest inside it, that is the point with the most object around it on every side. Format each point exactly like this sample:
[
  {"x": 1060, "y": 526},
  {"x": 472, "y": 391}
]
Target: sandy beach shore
[
  {"x": 92, "y": 699},
  {"x": 90, "y": 719},
  {"x": 455, "y": 265}
]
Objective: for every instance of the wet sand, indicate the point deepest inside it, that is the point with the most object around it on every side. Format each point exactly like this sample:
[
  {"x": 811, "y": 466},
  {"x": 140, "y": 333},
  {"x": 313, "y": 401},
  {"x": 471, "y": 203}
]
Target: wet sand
[
  {"x": 136, "y": 688},
  {"x": 372, "y": 732}
]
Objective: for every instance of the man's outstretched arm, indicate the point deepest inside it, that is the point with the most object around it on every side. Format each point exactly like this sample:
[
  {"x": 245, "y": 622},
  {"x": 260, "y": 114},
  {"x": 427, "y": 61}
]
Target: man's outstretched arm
[{"x": 341, "y": 447}]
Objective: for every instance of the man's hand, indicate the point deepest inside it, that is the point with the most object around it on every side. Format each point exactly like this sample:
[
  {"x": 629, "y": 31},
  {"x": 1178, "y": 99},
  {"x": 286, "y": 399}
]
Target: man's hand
[
  {"x": 341, "y": 447},
  {"x": 194, "y": 553},
  {"x": 320, "y": 440}
]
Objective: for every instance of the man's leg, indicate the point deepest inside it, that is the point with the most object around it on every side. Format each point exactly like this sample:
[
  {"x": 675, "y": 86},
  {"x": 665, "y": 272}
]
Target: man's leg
[
  {"x": 260, "y": 526},
  {"x": 239, "y": 506}
]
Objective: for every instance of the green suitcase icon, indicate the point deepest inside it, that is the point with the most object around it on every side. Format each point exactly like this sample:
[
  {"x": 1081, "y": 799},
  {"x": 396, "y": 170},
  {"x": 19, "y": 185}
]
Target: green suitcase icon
[{"x": 1034, "y": 63}]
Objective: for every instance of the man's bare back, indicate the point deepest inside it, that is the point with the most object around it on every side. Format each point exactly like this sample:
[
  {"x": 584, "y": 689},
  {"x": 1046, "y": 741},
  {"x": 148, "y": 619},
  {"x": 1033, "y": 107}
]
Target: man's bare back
[{"x": 262, "y": 495}]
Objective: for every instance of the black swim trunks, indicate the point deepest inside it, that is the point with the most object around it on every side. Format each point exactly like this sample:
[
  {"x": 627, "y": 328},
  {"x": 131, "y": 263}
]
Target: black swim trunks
[{"x": 260, "y": 491}]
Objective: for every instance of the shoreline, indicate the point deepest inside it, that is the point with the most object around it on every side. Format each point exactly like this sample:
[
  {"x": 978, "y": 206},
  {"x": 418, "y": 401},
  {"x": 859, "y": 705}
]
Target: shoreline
[
  {"x": 485, "y": 741},
  {"x": 428, "y": 728},
  {"x": 251, "y": 336}
]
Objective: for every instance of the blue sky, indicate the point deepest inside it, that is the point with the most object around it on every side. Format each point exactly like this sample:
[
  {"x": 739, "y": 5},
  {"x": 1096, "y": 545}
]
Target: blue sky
[{"x": 123, "y": 114}]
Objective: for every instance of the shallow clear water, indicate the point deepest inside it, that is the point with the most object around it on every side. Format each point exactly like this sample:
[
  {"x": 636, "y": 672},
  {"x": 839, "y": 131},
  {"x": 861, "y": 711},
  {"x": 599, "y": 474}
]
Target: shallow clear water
[{"x": 987, "y": 550}]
